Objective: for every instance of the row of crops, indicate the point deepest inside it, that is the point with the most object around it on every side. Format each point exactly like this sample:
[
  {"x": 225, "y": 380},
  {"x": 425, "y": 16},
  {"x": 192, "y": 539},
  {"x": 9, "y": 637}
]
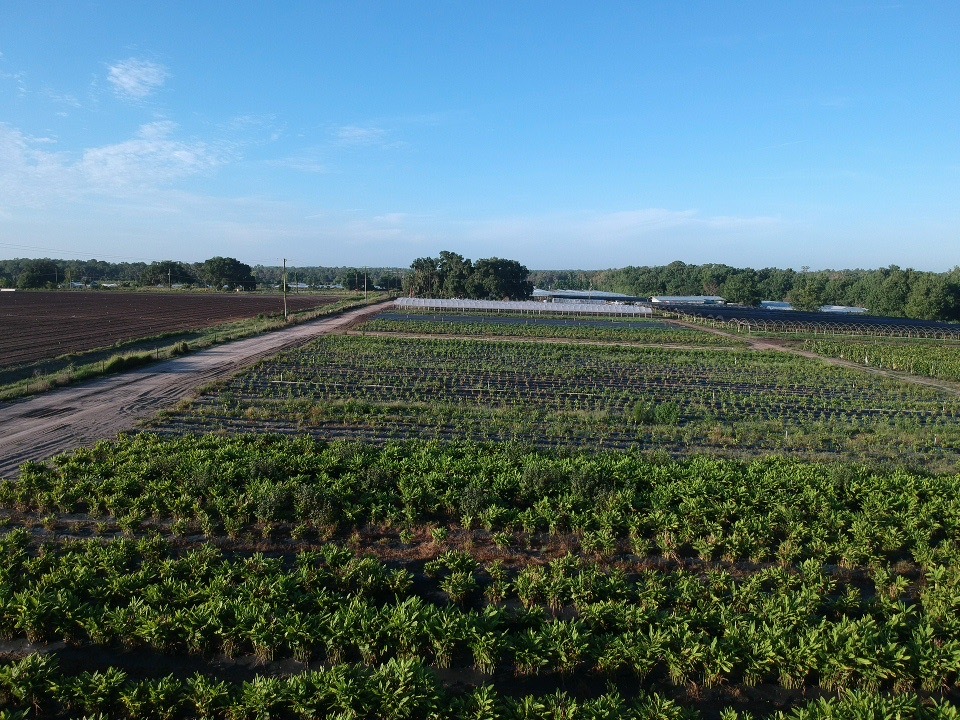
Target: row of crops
[
  {"x": 579, "y": 328},
  {"x": 613, "y": 502},
  {"x": 935, "y": 359},
  {"x": 378, "y": 643},
  {"x": 397, "y": 690},
  {"x": 476, "y": 581},
  {"x": 381, "y": 389}
]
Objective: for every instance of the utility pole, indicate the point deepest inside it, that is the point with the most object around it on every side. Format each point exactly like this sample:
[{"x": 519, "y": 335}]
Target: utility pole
[
  {"x": 169, "y": 279},
  {"x": 284, "y": 282},
  {"x": 364, "y": 282}
]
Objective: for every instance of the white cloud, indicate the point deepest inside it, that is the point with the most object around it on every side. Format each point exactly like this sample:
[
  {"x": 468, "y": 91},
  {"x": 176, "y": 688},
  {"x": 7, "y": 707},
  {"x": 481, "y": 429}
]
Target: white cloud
[
  {"x": 149, "y": 159},
  {"x": 18, "y": 79},
  {"x": 354, "y": 135},
  {"x": 135, "y": 79},
  {"x": 308, "y": 160},
  {"x": 32, "y": 175}
]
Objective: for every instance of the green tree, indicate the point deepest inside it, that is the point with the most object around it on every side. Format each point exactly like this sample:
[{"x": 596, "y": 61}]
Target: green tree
[
  {"x": 166, "y": 272},
  {"x": 809, "y": 292},
  {"x": 39, "y": 273},
  {"x": 353, "y": 278},
  {"x": 889, "y": 292},
  {"x": 227, "y": 272},
  {"x": 741, "y": 288},
  {"x": 775, "y": 284},
  {"x": 932, "y": 297},
  {"x": 389, "y": 281},
  {"x": 454, "y": 274},
  {"x": 498, "y": 279},
  {"x": 713, "y": 278},
  {"x": 424, "y": 278}
]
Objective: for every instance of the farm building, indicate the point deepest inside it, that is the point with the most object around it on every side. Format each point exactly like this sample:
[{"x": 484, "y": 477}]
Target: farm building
[
  {"x": 580, "y": 296},
  {"x": 846, "y": 309},
  {"x": 843, "y": 309},
  {"x": 688, "y": 299}
]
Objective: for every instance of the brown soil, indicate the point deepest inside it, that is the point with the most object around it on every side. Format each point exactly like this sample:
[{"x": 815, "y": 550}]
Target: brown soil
[{"x": 41, "y": 325}]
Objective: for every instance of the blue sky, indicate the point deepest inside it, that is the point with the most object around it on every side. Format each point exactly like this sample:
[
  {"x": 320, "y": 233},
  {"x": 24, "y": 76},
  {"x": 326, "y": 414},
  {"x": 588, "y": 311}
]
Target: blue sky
[{"x": 564, "y": 135}]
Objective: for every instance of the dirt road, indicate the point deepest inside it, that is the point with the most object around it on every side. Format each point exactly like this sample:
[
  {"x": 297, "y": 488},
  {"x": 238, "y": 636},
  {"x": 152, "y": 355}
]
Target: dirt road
[{"x": 36, "y": 428}]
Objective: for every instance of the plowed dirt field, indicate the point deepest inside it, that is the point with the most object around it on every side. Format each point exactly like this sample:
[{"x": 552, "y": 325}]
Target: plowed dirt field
[{"x": 40, "y": 325}]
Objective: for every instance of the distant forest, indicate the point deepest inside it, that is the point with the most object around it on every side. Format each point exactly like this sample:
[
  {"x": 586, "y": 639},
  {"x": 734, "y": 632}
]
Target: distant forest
[
  {"x": 40, "y": 273},
  {"x": 890, "y": 291}
]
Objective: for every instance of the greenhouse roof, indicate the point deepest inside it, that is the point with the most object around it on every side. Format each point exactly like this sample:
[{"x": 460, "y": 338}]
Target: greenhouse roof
[{"x": 523, "y": 306}]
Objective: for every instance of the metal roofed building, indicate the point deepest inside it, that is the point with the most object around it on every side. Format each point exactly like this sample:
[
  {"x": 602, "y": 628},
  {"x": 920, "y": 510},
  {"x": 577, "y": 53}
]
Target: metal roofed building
[
  {"x": 844, "y": 309},
  {"x": 688, "y": 300},
  {"x": 581, "y": 296}
]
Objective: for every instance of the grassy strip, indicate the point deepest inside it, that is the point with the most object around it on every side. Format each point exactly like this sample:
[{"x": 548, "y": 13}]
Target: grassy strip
[{"x": 125, "y": 356}]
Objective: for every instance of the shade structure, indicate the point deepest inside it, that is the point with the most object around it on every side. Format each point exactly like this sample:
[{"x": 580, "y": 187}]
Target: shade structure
[{"x": 525, "y": 306}]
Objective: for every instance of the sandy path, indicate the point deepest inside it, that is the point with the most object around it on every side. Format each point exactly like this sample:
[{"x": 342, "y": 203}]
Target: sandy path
[{"x": 37, "y": 427}]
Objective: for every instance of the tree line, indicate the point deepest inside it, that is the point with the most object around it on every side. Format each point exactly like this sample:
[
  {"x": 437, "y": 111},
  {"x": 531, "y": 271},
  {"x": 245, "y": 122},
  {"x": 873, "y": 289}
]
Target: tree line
[
  {"x": 349, "y": 278},
  {"x": 890, "y": 291},
  {"x": 217, "y": 272}
]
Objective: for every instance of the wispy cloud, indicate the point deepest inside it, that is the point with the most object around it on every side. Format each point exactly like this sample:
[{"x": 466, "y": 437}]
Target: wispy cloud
[
  {"x": 259, "y": 129},
  {"x": 309, "y": 160},
  {"x": 323, "y": 158},
  {"x": 32, "y": 174},
  {"x": 351, "y": 135},
  {"x": 135, "y": 79},
  {"x": 151, "y": 158},
  {"x": 28, "y": 173},
  {"x": 17, "y": 78}
]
